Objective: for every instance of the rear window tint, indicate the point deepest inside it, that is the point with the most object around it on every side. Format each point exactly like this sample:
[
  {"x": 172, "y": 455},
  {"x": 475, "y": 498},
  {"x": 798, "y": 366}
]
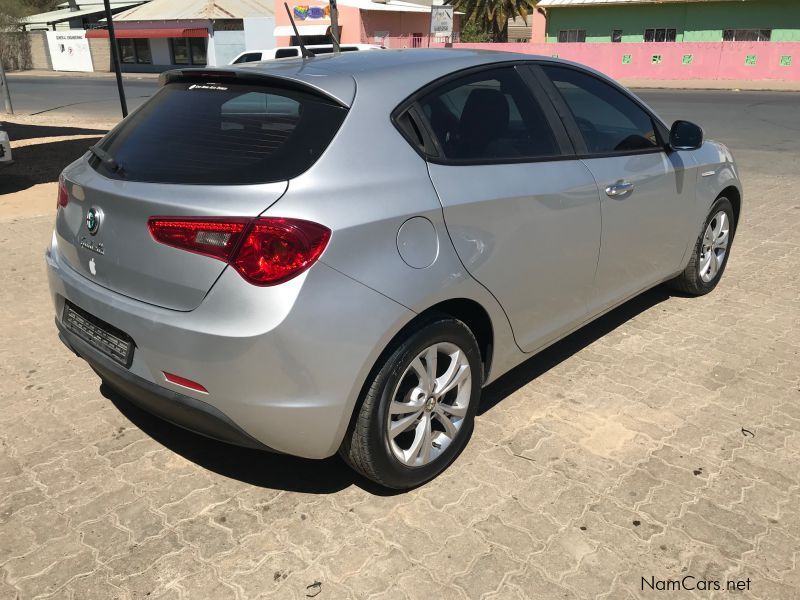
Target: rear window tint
[{"x": 200, "y": 133}]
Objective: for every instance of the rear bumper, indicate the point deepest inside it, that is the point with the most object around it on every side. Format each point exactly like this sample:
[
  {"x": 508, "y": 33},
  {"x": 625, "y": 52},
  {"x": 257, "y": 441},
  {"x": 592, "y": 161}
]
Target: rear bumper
[
  {"x": 179, "y": 409},
  {"x": 283, "y": 365}
]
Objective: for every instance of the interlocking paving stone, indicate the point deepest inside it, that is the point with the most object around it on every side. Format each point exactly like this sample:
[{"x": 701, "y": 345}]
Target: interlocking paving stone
[{"x": 614, "y": 456}]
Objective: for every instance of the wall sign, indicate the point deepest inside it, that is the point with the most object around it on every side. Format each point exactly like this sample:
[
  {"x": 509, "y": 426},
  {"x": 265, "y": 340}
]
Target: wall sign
[
  {"x": 442, "y": 20},
  {"x": 69, "y": 50}
]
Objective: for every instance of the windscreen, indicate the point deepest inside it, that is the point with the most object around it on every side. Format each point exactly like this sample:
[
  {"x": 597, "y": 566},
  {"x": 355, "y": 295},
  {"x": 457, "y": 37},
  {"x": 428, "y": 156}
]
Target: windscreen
[{"x": 220, "y": 133}]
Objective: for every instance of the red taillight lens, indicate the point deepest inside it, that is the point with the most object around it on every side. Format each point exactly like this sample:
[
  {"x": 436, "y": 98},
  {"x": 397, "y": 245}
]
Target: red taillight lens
[
  {"x": 63, "y": 197},
  {"x": 212, "y": 237},
  {"x": 265, "y": 251},
  {"x": 276, "y": 250}
]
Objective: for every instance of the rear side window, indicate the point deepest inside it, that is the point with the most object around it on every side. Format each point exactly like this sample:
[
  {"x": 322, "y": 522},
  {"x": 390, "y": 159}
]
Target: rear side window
[
  {"x": 220, "y": 133},
  {"x": 286, "y": 52},
  {"x": 609, "y": 121},
  {"x": 488, "y": 116},
  {"x": 249, "y": 57}
]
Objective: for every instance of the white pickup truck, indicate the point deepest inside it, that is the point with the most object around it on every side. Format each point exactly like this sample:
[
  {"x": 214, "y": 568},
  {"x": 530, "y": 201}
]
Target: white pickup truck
[{"x": 294, "y": 51}]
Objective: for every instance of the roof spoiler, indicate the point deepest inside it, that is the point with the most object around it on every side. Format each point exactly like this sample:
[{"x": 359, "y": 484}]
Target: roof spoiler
[{"x": 243, "y": 77}]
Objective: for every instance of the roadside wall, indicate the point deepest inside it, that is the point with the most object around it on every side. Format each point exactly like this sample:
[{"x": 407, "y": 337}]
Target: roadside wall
[
  {"x": 100, "y": 49},
  {"x": 40, "y": 55},
  {"x": 757, "y": 61}
]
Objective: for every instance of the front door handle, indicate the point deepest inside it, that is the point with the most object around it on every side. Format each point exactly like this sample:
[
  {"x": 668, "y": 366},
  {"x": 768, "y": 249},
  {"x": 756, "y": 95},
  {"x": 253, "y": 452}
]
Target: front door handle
[{"x": 621, "y": 188}]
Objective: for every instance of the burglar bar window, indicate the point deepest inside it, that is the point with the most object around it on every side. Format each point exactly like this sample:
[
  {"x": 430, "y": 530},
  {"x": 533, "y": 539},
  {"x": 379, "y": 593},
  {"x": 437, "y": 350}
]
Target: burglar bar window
[
  {"x": 660, "y": 35},
  {"x": 135, "y": 51},
  {"x": 616, "y": 36},
  {"x": 572, "y": 35},
  {"x": 747, "y": 35},
  {"x": 188, "y": 51}
]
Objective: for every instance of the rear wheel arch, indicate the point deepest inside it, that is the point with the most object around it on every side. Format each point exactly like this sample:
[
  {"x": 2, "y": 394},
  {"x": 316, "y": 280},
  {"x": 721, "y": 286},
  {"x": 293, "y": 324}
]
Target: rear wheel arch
[{"x": 470, "y": 312}]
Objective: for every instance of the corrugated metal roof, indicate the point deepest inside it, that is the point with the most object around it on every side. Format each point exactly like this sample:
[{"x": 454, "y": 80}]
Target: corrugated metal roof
[
  {"x": 165, "y": 10},
  {"x": 65, "y": 14},
  {"x": 566, "y": 3}
]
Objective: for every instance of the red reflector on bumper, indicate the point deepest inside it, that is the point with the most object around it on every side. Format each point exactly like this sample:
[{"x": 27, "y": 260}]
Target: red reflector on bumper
[{"x": 187, "y": 383}]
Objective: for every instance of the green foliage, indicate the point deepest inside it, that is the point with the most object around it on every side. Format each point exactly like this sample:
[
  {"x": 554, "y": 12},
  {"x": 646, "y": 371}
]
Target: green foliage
[
  {"x": 492, "y": 16},
  {"x": 22, "y": 8},
  {"x": 475, "y": 31}
]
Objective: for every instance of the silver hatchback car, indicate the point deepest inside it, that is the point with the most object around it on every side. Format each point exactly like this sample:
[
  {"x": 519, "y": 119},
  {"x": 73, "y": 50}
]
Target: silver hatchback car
[{"x": 336, "y": 254}]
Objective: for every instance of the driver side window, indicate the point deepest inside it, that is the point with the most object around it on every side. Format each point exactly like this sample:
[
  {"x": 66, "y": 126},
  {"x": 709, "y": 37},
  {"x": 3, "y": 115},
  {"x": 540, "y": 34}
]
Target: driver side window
[{"x": 609, "y": 121}]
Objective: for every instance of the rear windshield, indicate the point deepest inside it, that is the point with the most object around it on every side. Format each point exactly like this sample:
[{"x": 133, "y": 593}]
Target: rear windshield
[{"x": 220, "y": 133}]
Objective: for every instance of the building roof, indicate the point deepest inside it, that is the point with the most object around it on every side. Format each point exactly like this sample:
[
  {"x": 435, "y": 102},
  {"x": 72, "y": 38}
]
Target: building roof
[
  {"x": 167, "y": 10},
  {"x": 568, "y": 3},
  {"x": 84, "y": 9}
]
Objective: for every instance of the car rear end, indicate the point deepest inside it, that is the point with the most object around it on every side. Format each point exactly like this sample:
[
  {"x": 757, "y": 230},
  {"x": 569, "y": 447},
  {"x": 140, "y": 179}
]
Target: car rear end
[
  {"x": 169, "y": 281},
  {"x": 5, "y": 148}
]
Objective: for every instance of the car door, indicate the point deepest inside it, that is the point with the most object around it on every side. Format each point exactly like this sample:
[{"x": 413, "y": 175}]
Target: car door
[
  {"x": 646, "y": 192},
  {"x": 523, "y": 213}
]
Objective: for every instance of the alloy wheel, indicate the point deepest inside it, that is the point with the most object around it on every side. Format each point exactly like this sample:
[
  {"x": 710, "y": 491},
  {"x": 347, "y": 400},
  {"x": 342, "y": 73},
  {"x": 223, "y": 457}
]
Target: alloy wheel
[
  {"x": 714, "y": 246},
  {"x": 429, "y": 404}
]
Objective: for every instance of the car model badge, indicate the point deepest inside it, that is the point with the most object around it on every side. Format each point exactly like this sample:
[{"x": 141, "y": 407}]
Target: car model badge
[{"x": 93, "y": 219}]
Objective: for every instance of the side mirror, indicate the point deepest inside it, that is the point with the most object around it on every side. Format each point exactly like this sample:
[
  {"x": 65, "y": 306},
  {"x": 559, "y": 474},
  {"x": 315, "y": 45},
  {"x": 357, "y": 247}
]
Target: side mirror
[{"x": 685, "y": 135}]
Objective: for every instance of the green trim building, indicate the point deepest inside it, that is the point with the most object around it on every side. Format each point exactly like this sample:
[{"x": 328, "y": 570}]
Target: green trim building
[{"x": 672, "y": 20}]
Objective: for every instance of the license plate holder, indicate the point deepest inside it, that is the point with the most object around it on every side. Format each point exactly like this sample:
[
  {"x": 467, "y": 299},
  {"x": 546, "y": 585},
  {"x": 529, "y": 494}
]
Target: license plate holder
[{"x": 111, "y": 342}]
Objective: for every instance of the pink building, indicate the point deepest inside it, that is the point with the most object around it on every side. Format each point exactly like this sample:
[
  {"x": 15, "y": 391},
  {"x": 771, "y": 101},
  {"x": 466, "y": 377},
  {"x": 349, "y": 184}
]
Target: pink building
[{"x": 391, "y": 23}]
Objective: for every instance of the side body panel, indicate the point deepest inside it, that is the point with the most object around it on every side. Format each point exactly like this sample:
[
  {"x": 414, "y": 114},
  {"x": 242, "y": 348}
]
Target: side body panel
[
  {"x": 645, "y": 231},
  {"x": 530, "y": 233}
]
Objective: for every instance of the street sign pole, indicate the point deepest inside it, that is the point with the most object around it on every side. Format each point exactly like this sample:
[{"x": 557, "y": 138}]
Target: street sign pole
[
  {"x": 6, "y": 92},
  {"x": 112, "y": 39},
  {"x": 334, "y": 25}
]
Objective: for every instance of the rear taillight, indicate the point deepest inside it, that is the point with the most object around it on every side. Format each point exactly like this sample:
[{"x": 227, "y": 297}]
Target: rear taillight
[
  {"x": 265, "y": 251},
  {"x": 63, "y": 197}
]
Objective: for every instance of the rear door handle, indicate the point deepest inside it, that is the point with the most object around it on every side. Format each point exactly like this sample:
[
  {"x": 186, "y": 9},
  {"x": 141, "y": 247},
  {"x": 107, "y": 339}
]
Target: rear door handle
[{"x": 620, "y": 188}]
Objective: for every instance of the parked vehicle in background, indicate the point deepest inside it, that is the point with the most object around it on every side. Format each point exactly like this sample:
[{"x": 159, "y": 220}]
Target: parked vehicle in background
[
  {"x": 5, "y": 148},
  {"x": 338, "y": 254},
  {"x": 294, "y": 51}
]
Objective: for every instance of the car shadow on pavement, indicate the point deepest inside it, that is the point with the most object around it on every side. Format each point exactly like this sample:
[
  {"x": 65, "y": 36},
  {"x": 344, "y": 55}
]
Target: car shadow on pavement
[
  {"x": 41, "y": 163},
  {"x": 279, "y": 471},
  {"x": 25, "y": 131},
  {"x": 548, "y": 358},
  {"x": 256, "y": 467}
]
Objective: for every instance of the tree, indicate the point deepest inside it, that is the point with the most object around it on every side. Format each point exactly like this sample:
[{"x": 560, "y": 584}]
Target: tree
[{"x": 491, "y": 16}]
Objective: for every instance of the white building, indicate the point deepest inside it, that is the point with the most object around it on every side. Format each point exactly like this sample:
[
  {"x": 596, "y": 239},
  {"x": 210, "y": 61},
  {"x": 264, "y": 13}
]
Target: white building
[{"x": 165, "y": 34}]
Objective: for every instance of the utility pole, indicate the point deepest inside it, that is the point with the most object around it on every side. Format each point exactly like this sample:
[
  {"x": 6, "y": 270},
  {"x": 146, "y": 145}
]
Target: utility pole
[
  {"x": 112, "y": 39},
  {"x": 334, "y": 25},
  {"x": 5, "y": 92}
]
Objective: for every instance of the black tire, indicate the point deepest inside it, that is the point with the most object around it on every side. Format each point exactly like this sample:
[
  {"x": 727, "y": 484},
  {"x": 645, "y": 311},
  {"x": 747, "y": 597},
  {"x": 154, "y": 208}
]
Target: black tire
[
  {"x": 366, "y": 446},
  {"x": 689, "y": 281}
]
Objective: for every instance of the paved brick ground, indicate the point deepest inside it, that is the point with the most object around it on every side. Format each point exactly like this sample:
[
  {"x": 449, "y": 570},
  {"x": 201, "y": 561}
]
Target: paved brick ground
[{"x": 618, "y": 454}]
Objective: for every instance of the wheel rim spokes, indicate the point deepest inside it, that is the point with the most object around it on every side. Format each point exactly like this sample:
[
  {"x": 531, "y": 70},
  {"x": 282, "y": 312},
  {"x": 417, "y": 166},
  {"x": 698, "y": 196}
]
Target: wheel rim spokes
[
  {"x": 429, "y": 404},
  {"x": 714, "y": 246}
]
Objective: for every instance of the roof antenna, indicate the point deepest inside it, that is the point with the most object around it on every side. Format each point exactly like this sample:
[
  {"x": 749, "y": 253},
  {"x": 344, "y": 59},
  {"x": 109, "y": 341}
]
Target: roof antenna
[
  {"x": 303, "y": 50},
  {"x": 334, "y": 26}
]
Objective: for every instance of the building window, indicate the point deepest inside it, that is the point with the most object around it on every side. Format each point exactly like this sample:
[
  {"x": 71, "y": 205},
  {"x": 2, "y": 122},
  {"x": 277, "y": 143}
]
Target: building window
[
  {"x": 616, "y": 36},
  {"x": 572, "y": 35},
  {"x": 188, "y": 51},
  {"x": 660, "y": 35},
  {"x": 747, "y": 35},
  {"x": 136, "y": 51}
]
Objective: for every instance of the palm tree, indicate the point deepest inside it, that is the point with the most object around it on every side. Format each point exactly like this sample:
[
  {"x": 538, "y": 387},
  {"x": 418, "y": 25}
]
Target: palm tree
[{"x": 493, "y": 15}]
